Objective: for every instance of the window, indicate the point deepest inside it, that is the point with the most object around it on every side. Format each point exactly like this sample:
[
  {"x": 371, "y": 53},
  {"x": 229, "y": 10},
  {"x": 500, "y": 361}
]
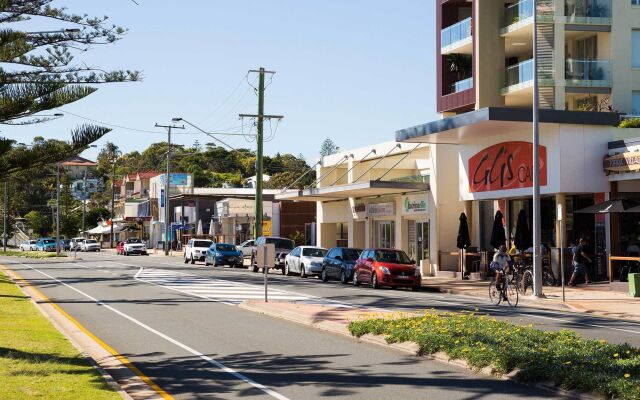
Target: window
[
  {"x": 350, "y": 254},
  {"x": 635, "y": 102},
  {"x": 635, "y": 48},
  {"x": 635, "y": 2}
]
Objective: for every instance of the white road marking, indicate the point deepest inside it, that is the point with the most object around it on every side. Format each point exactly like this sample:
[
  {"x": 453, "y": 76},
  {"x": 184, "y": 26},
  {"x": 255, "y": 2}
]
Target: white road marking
[{"x": 183, "y": 346}]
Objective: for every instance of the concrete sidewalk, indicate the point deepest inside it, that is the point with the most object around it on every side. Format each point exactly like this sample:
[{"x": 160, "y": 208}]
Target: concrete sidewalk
[{"x": 597, "y": 299}]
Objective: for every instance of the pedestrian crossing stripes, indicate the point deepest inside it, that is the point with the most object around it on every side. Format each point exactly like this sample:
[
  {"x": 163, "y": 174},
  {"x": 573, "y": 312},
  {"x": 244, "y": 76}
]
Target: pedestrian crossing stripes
[{"x": 222, "y": 290}]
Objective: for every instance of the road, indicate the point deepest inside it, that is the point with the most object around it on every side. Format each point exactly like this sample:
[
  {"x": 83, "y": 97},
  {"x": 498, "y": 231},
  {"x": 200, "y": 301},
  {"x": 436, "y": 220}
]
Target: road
[{"x": 181, "y": 326}]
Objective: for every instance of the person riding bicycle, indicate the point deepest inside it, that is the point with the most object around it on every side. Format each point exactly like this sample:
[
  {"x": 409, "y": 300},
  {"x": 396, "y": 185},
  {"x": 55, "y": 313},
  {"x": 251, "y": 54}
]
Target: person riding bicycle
[{"x": 501, "y": 261}]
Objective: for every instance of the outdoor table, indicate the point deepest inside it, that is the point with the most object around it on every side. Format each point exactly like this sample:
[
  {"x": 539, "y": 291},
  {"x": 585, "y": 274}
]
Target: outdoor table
[{"x": 619, "y": 258}]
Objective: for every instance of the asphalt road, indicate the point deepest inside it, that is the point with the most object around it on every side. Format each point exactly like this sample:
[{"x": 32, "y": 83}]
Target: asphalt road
[{"x": 198, "y": 348}]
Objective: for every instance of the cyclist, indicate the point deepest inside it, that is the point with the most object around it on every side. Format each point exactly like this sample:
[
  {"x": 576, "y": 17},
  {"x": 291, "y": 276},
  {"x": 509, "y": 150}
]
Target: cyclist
[{"x": 501, "y": 261}]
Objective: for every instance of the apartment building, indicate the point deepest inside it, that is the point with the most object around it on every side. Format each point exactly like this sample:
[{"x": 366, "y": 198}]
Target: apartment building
[{"x": 588, "y": 54}]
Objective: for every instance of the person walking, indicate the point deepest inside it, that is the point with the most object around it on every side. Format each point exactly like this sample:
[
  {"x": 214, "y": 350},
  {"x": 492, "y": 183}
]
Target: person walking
[{"x": 579, "y": 262}]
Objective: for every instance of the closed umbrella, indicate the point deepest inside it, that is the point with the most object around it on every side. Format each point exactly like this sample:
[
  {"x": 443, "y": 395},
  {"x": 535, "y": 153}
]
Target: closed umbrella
[
  {"x": 522, "y": 239},
  {"x": 498, "y": 237},
  {"x": 199, "y": 230},
  {"x": 211, "y": 229},
  {"x": 463, "y": 240}
]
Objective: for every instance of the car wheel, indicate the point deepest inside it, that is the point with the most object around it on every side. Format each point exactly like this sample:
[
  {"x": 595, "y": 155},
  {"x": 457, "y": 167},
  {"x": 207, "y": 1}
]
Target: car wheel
[
  {"x": 254, "y": 267},
  {"x": 343, "y": 277},
  {"x": 355, "y": 280},
  {"x": 214, "y": 263},
  {"x": 374, "y": 281},
  {"x": 323, "y": 276},
  {"x": 287, "y": 272},
  {"x": 186, "y": 260},
  {"x": 194, "y": 261},
  {"x": 303, "y": 273}
]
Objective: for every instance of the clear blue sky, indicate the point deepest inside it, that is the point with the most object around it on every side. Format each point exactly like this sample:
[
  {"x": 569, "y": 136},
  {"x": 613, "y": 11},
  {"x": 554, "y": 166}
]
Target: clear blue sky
[{"x": 351, "y": 70}]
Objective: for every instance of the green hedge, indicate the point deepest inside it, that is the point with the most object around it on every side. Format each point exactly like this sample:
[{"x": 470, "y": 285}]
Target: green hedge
[
  {"x": 562, "y": 357},
  {"x": 630, "y": 123},
  {"x": 31, "y": 254}
]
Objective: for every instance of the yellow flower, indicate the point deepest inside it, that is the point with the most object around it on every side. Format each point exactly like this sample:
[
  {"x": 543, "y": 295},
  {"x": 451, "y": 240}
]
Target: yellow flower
[
  {"x": 616, "y": 355},
  {"x": 456, "y": 342},
  {"x": 602, "y": 341},
  {"x": 628, "y": 351},
  {"x": 476, "y": 309},
  {"x": 567, "y": 362},
  {"x": 545, "y": 350},
  {"x": 627, "y": 376}
]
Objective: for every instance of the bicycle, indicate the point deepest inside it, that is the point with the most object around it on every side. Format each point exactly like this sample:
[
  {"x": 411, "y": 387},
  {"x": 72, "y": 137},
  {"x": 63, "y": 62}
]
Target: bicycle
[{"x": 508, "y": 292}]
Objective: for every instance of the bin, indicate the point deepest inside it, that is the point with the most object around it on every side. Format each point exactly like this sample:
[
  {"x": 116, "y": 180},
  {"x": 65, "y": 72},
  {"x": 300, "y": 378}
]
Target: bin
[{"x": 634, "y": 285}]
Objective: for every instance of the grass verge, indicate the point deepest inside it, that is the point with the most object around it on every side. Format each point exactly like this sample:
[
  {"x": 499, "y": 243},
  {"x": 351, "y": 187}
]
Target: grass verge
[
  {"x": 563, "y": 357},
  {"x": 31, "y": 254},
  {"x": 37, "y": 361}
]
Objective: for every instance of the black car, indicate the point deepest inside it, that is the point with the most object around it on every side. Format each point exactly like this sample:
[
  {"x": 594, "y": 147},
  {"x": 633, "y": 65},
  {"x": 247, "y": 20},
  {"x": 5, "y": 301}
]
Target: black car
[
  {"x": 283, "y": 247},
  {"x": 339, "y": 263}
]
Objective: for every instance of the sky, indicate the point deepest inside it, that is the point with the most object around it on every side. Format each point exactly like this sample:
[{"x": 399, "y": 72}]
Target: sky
[{"x": 354, "y": 71}]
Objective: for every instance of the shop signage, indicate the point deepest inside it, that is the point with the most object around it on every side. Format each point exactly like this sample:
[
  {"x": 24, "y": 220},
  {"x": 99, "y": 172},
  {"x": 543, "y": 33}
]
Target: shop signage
[
  {"x": 623, "y": 162},
  {"x": 380, "y": 209},
  {"x": 414, "y": 204},
  {"x": 505, "y": 166},
  {"x": 266, "y": 228}
]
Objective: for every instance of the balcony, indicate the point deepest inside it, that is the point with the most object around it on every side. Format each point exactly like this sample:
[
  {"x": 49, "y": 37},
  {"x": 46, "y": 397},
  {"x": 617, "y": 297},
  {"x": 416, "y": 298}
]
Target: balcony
[
  {"x": 518, "y": 76},
  {"x": 588, "y": 73},
  {"x": 588, "y": 12},
  {"x": 464, "y": 84},
  {"x": 520, "y": 15},
  {"x": 457, "y": 38}
]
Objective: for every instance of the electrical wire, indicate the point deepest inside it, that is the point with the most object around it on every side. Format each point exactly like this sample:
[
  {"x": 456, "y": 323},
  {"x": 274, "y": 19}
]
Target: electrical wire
[{"x": 225, "y": 100}]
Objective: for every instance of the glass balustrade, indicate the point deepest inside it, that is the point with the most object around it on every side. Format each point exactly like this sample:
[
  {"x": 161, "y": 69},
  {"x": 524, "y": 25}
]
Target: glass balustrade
[
  {"x": 455, "y": 33},
  {"x": 588, "y": 11},
  {"x": 519, "y": 73},
  {"x": 518, "y": 12},
  {"x": 598, "y": 72},
  {"x": 462, "y": 85}
]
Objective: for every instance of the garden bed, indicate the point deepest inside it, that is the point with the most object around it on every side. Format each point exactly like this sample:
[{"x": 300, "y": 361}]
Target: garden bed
[
  {"x": 563, "y": 357},
  {"x": 31, "y": 254}
]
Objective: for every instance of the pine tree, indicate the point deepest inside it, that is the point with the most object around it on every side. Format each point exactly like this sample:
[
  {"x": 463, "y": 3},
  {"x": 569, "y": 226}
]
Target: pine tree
[{"x": 328, "y": 147}]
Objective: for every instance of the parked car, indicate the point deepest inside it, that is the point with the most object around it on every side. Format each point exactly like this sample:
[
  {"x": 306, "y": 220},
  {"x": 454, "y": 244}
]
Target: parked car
[
  {"x": 120, "y": 249},
  {"x": 246, "y": 247},
  {"x": 134, "y": 246},
  {"x": 339, "y": 263},
  {"x": 304, "y": 260},
  {"x": 196, "y": 250},
  {"x": 90, "y": 245},
  {"x": 29, "y": 245},
  {"x": 65, "y": 244},
  {"x": 46, "y": 244},
  {"x": 386, "y": 267},
  {"x": 75, "y": 243},
  {"x": 283, "y": 247},
  {"x": 223, "y": 254}
]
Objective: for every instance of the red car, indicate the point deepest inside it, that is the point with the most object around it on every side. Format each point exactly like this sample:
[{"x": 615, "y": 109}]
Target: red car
[
  {"x": 120, "y": 248},
  {"x": 386, "y": 267}
]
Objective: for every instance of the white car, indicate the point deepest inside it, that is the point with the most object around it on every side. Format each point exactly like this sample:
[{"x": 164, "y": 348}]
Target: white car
[
  {"x": 28, "y": 245},
  {"x": 305, "y": 260},
  {"x": 75, "y": 243},
  {"x": 196, "y": 250},
  {"x": 246, "y": 247},
  {"x": 134, "y": 246},
  {"x": 90, "y": 245}
]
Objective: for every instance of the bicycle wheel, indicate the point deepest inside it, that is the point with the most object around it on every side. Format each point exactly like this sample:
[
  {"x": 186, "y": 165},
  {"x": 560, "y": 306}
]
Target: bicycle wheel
[
  {"x": 512, "y": 295},
  {"x": 494, "y": 294},
  {"x": 526, "y": 282},
  {"x": 547, "y": 278}
]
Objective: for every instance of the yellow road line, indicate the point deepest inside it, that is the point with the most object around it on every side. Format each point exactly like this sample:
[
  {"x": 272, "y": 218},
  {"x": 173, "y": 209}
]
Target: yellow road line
[{"x": 105, "y": 346}]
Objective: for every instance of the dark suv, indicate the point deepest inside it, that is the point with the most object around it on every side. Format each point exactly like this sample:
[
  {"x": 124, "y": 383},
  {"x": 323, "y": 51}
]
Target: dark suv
[{"x": 283, "y": 247}]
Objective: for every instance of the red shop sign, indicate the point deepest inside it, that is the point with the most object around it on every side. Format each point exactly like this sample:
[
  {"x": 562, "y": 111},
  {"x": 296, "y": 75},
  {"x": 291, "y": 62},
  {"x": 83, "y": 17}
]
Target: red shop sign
[{"x": 504, "y": 166}]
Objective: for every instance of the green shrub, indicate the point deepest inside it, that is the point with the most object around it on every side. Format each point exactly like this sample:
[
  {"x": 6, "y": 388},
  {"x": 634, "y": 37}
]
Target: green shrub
[
  {"x": 562, "y": 357},
  {"x": 30, "y": 254},
  {"x": 630, "y": 123}
]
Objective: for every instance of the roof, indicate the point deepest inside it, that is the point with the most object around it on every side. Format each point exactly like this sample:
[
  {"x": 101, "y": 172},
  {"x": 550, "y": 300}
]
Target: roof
[
  {"x": 77, "y": 161},
  {"x": 458, "y": 125},
  {"x": 148, "y": 174}
]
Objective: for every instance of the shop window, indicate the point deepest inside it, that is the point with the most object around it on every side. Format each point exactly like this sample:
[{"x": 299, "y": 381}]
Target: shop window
[
  {"x": 635, "y": 48},
  {"x": 635, "y": 102}
]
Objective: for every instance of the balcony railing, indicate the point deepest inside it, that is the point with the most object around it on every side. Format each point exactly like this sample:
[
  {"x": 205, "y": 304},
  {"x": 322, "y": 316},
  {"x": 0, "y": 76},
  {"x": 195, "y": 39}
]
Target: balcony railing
[
  {"x": 597, "y": 12},
  {"x": 455, "y": 33},
  {"x": 519, "y": 74},
  {"x": 588, "y": 72},
  {"x": 464, "y": 84},
  {"x": 518, "y": 12}
]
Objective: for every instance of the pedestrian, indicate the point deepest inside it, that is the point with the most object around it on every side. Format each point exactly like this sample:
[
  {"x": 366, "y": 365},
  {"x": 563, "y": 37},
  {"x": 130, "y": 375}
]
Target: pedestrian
[{"x": 579, "y": 262}]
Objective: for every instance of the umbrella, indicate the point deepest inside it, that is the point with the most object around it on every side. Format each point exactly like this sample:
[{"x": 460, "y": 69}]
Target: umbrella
[
  {"x": 498, "y": 237},
  {"x": 611, "y": 206},
  {"x": 199, "y": 230},
  {"x": 211, "y": 228},
  {"x": 522, "y": 239},
  {"x": 463, "y": 240}
]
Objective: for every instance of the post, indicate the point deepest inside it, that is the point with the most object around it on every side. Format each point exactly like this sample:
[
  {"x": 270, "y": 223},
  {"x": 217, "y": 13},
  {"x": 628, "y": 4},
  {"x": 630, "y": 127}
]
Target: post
[
  {"x": 167, "y": 181},
  {"x": 266, "y": 271},
  {"x": 84, "y": 198},
  {"x": 259, "y": 160},
  {"x": 561, "y": 219},
  {"x": 58, "y": 209},
  {"x": 4, "y": 225},
  {"x": 537, "y": 262},
  {"x": 113, "y": 196}
]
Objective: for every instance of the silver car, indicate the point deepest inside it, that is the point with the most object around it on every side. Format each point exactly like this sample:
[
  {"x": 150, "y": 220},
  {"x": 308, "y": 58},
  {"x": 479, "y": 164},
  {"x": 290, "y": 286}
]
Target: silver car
[
  {"x": 305, "y": 260},
  {"x": 246, "y": 247},
  {"x": 28, "y": 245},
  {"x": 90, "y": 245}
]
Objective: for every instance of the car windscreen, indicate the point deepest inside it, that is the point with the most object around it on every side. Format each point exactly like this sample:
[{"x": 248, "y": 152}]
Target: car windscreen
[
  {"x": 32, "y": 242},
  {"x": 314, "y": 252},
  {"x": 392, "y": 256},
  {"x": 225, "y": 247},
  {"x": 350, "y": 254},
  {"x": 281, "y": 243},
  {"x": 201, "y": 243},
  {"x": 90, "y": 241},
  {"x": 134, "y": 240},
  {"x": 48, "y": 241}
]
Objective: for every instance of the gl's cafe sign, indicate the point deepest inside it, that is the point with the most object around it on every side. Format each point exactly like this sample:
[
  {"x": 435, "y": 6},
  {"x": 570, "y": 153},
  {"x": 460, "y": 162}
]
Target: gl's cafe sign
[{"x": 505, "y": 166}]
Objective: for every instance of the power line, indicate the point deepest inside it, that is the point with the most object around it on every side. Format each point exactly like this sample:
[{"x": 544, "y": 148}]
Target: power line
[{"x": 225, "y": 100}]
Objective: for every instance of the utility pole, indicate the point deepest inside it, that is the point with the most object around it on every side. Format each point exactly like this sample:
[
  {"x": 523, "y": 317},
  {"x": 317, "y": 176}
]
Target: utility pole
[
  {"x": 4, "y": 225},
  {"x": 167, "y": 181},
  {"x": 113, "y": 196},
  {"x": 58, "y": 208},
  {"x": 84, "y": 198},
  {"x": 537, "y": 221},
  {"x": 259, "y": 148}
]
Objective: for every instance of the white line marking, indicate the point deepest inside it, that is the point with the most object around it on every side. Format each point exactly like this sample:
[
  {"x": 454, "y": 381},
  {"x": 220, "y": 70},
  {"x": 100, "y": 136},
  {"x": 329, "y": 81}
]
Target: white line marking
[{"x": 169, "y": 339}]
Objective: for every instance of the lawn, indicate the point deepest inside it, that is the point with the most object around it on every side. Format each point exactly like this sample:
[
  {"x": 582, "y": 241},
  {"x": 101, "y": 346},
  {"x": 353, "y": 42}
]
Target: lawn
[
  {"x": 37, "y": 361},
  {"x": 562, "y": 358},
  {"x": 31, "y": 254}
]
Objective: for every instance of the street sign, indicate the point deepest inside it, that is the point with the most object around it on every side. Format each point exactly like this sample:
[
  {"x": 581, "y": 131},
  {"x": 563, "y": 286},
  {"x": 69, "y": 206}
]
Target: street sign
[
  {"x": 266, "y": 228},
  {"x": 266, "y": 259}
]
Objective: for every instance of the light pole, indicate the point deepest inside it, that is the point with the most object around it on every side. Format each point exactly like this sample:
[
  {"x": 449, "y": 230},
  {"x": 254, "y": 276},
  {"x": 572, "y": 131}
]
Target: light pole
[
  {"x": 113, "y": 194},
  {"x": 58, "y": 208},
  {"x": 537, "y": 223},
  {"x": 84, "y": 194},
  {"x": 4, "y": 225}
]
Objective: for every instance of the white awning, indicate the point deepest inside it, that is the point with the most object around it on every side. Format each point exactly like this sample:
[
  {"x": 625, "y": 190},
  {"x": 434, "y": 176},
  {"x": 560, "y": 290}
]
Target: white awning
[
  {"x": 356, "y": 190},
  {"x": 102, "y": 230}
]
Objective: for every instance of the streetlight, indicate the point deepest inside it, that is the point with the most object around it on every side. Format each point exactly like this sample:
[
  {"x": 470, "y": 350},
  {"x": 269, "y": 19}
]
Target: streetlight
[
  {"x": 537, "y": 223},
  {"x": 84, "y": 192}
]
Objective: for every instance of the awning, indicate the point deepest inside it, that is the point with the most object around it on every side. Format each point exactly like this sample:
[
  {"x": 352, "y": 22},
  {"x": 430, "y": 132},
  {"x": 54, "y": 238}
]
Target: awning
[
  {"x": 612, "y": 206},
  {"x": 356, "y": 190},
  {"x": 102, "y": 230}
]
